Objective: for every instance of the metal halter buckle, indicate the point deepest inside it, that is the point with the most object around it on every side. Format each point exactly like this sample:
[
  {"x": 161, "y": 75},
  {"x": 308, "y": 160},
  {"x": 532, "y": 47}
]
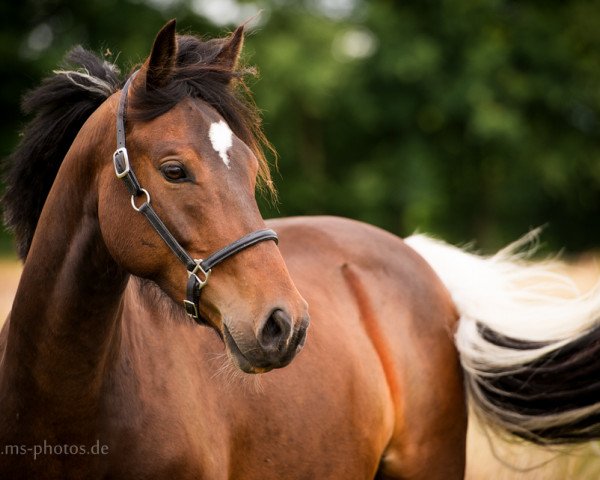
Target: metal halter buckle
[
  {"x": 190, "y": 306},
  {"x": 204, "y": 273},
  {"x": 121, "y": 155}
]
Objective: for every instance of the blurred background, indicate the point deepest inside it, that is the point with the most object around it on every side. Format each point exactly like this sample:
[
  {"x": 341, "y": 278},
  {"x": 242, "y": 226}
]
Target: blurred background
[{"x": 471, "y": 120}]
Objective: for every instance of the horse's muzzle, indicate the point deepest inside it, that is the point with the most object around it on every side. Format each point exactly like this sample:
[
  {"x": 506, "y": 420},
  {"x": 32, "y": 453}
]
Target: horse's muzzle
[{"x": 277, "y": 341}]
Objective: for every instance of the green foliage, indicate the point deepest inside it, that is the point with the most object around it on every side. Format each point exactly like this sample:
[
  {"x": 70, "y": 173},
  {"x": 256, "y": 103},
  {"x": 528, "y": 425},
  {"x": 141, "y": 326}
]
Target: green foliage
[{"x": 468, "y": 119}]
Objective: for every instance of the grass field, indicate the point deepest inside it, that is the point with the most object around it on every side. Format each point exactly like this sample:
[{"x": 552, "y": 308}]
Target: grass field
[{"x": 504, "y": 461}]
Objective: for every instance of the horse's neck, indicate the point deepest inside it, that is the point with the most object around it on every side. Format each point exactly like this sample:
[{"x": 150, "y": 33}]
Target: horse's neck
[{"x": 64, "y": 326}]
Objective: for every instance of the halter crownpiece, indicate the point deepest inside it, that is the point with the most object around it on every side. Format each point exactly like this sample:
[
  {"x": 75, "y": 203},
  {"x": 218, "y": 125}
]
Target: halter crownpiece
[{"x": 198, "y": 270}]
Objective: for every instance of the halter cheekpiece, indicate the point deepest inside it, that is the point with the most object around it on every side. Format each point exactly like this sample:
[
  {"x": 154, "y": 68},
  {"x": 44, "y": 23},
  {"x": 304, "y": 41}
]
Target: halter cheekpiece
[{"x": 198, "y": 270}]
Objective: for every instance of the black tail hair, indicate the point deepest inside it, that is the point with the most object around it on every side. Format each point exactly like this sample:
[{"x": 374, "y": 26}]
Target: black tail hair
[{"x": 562, "y": 381}]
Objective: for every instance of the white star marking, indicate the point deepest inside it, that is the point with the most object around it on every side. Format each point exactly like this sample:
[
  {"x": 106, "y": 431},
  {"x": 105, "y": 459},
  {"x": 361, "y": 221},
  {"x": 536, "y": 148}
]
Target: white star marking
[{"x": 221, "y": 138}]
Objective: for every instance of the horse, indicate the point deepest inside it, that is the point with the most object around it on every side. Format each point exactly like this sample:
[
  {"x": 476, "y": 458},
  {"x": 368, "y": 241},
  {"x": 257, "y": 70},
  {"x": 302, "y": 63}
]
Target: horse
[{"x": 305, "y": 347}]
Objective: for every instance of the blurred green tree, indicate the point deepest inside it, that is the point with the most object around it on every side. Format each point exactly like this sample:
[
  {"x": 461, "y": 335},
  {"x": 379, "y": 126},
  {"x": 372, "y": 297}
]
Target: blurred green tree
[{"x": 470, "y": 120}]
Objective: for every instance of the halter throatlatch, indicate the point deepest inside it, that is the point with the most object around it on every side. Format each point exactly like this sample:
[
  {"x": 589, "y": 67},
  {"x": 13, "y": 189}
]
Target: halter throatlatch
[{"x": 198, "y": 270}]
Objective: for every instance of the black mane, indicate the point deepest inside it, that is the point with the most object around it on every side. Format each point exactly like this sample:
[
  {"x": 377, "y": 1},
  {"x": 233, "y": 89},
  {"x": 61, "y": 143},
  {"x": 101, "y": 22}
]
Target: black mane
[
  {"x": 65, "y": 100},
  {"x": 60, "y": 105}
]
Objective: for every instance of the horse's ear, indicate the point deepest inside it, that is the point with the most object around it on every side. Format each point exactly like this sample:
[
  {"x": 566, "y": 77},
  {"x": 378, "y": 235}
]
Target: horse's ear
[
  {"x": 231, "y": 48},
  {"x": 161, "y": 62}
]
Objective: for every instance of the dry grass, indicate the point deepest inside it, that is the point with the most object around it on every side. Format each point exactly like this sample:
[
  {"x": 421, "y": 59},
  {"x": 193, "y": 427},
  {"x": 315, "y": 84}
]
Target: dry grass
[
  {"x": 10, "y": 271},
  {"x": 503, "y": 461},
  {"x": 490, "y": 457}
]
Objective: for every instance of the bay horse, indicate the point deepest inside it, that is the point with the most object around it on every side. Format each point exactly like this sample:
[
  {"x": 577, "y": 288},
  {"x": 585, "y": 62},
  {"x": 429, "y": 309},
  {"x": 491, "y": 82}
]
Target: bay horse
[{"x": 119, "y": 195}]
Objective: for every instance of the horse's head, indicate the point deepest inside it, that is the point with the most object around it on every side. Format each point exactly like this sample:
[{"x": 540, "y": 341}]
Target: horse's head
[{"x": 194, "y": 145}]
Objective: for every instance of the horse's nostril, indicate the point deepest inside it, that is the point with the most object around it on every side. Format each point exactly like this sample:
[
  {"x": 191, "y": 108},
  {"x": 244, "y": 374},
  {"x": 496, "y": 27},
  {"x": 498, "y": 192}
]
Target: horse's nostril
[
  {"x": 271, "y": 331},
  {"x": 275, "y": 332}
]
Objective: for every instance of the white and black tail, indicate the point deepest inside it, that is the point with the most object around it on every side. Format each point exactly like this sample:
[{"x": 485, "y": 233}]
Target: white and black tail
[{"x": 529, "y": 342}]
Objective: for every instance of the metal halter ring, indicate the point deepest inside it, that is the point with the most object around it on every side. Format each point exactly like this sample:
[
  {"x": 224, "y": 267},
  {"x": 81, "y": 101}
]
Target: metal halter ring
[
  {"x": 145, "y": 192},
  {"x": 198, "y": 268}
]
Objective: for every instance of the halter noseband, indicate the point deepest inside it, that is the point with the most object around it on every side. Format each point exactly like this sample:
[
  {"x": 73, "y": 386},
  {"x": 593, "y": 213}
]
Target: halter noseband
[{"x": 198, "y": 269}]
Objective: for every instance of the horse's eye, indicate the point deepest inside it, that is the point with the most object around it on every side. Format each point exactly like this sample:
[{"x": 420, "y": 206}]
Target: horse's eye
[{"x": 173, "y": 171}]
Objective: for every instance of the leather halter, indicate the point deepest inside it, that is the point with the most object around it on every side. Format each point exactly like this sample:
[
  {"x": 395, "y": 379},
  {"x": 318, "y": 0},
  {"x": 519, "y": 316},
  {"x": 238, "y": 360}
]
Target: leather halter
[{"x": 198, "y": 270}]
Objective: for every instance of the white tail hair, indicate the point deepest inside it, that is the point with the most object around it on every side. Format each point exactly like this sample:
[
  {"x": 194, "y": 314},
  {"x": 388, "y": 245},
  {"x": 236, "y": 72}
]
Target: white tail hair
[{"x": 529, "y": 341}]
